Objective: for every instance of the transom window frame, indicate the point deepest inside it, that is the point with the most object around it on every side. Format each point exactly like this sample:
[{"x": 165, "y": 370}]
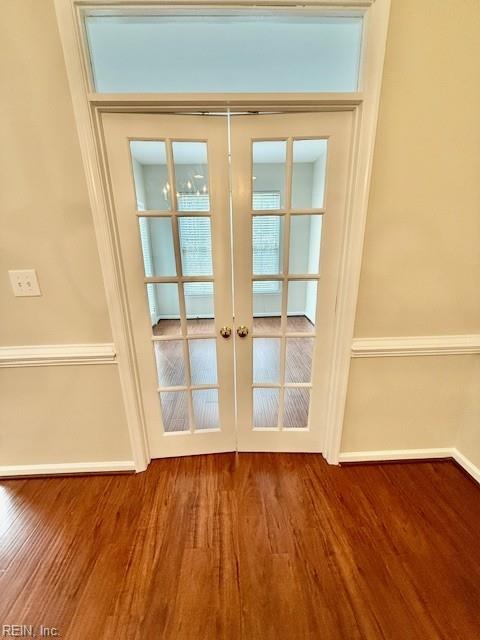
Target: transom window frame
[{"x": 89, "y": 105}]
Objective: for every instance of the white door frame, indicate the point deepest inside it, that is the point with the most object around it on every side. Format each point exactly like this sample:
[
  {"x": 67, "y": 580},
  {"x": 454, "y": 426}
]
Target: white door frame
[{"x": 365, "y": 104}]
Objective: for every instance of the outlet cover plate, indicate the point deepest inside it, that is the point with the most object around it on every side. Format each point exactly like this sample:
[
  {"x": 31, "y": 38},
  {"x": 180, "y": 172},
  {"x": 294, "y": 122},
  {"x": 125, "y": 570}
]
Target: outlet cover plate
[{"x": 24, "y": 282}]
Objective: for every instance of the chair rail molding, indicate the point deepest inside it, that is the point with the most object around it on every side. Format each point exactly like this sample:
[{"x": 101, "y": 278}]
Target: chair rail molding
[
  {"x": 41, "y": 355},
  {"x": 448, "y": 345}
]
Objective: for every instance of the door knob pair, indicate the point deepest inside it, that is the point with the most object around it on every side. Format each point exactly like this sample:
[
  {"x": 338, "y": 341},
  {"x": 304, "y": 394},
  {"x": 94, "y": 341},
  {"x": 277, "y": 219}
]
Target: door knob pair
[{"x": 226, "y": 332}]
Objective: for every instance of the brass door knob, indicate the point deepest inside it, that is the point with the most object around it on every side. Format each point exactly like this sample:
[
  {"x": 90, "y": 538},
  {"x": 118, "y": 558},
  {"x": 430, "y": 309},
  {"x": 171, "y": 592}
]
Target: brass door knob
[
  {"x": 226, "y": 332},
  {"x": 242, "y": 331}
]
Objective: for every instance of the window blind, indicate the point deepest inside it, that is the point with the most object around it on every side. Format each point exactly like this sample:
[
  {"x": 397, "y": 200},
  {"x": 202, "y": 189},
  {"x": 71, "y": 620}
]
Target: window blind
[
  {"x": 193, "y": 202},
  {"x": 196, "y": 241},
  {"x": 195, "y": 244},
  {"x": 266, "y": 200},
  {"x": 266, "y": 240},
  {"x": 144, "y": 226}
]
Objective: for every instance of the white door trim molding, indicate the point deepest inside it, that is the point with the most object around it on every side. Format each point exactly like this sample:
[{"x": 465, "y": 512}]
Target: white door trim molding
[
  {"x": 104, "y": 230},
  {"x": 152, "y": 5},
  {"x": 87, "y": 107},
  {"x": 448, "y": 345},
  {"x": 376, "y": 28},
  {"x": 392, "y": 455},
  {"x": 41, "y": 355},
  {"x": 66, "y": 468}
]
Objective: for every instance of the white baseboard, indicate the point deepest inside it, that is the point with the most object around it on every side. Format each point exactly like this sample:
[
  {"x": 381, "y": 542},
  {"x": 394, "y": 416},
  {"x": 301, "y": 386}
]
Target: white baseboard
[
  {"x": 114, "y": 466},
  {"x": 199, "y": 316},
  {"x": 396, "y": 454},
  {"x": 467, "y": 464},
  {"x": 271, "y": 314},
  {"x": 413, "y": 454},
  {"x": 261, "y": 314}
]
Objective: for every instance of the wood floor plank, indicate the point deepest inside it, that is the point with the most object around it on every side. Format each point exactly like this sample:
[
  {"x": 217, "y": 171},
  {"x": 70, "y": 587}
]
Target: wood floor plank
[{"x": 245, "y": 547}]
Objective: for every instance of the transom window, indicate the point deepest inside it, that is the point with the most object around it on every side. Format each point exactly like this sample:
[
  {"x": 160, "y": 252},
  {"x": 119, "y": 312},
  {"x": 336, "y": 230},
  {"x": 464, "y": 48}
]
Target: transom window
[{"x": 224, "y": 51}]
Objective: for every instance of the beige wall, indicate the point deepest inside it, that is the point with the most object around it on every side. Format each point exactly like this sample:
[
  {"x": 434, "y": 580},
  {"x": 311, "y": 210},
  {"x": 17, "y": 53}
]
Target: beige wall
[
  {"x": 49, "y": 414},
  {"x": 44, "y": 211},
  {"x": 421, "y": 263},
  {"x": 61, "y": 414},
  {"x": 468, "y": 436},
  {"x": 407, "y": 403}
]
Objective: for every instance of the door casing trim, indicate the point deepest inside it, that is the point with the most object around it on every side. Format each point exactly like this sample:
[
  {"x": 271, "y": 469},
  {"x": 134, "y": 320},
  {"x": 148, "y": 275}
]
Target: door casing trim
[{"x": 87, "y": 109}]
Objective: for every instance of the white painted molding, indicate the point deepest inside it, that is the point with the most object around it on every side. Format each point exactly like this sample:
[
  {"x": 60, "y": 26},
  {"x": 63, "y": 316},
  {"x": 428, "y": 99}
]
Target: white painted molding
[
  {"x": 467, "y": 465},
  {"x": 151, "y": 6},
  {"x": 38, "y": 355},
  {"x": 113, "y": 466},
  {"x": 375, "y": 41},
  {"x": 413, "y": 454},
  {"x": 77, "y": 72},
  {"x": 397, "y": 454},
  {"x": 415, "y": 346}
]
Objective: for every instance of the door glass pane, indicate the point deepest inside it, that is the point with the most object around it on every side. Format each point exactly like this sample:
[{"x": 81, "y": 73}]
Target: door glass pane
[
  {"x": 195, "y": 246},
  {"x": 265, "y": 408},
  {"x": 305, "y": 239},
  {"x": 267, "y": 306},
  {"x": 245, "y": 51},
  {"x": 164, "y": 308},
  {"x": 298, "y": 360},
  {"x": 203, "y": 361},
  {"x": 297, "y": 402},
  {"x": 150, "y": 173},
  {"x": 266, "y": 360},
  {"x": 170, "y": 363},
  {"x": 174, "y": 410},
  {"x": 308, "y": 174},
  {"x": 199, "y": 305},
  {"x": 301, "y": 306},
  {"x": 156, "y": 238},
  {"x": 268, "y": 178},
  {"x": 267, "y": 245},
  {"x": 191, "y": 176},
  {"x": 205, "y": 409}
]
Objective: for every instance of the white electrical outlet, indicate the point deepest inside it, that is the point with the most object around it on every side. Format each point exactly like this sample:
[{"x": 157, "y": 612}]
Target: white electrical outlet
[{"x": 24, "y": 282}]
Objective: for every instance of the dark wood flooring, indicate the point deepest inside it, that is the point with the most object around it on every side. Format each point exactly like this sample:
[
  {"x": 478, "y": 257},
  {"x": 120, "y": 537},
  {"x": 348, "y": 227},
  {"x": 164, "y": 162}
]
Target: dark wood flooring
[{"x": 254, "y": 546}]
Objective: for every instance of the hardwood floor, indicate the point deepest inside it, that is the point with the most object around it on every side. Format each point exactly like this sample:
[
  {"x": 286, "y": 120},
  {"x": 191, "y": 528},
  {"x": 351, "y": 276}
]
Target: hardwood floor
[
  {"x": 250, "y": 547},
  {"x": 260, "y": 325}
]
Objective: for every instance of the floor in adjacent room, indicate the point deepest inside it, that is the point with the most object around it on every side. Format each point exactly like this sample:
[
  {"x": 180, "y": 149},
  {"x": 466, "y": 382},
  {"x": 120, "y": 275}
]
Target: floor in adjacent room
[
  {"x": 266, "y": 368},
  {"x": 254, "y": 546}
]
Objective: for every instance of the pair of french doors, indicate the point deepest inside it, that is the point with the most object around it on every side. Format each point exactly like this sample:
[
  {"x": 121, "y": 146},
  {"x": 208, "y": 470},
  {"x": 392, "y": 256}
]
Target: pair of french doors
[{"x": 230, "y": 233}]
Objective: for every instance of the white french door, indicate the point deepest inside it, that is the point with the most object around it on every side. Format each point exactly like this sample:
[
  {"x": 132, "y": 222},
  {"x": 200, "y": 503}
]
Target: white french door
[
  {"x": 170, "y": 185},
  {"x": 230, "y": 272},
  {"x": 290, "y": 175}
]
